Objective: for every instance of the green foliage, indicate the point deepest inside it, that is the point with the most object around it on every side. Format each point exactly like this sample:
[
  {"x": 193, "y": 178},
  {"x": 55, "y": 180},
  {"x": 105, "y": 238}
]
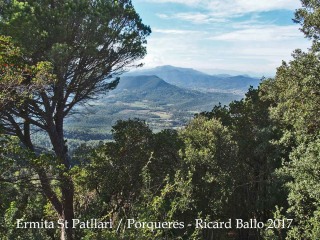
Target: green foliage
[
  {"x": 17, "y": 79},
  {"x": 295, "y": 95},
  {"x": 117, "y": 175},
  {"x": 206, "y": 180},
  {"x": 73, "y": 35},
  {"x": 304, "y": 196},
  {"x": 276, "y": 233},
  {"x": 88, "y": 43},
  {"x": 20, "y": 197},
  {"x": 199, "y": 185},
  {"x": 121, "y": 162},
  {"x": 309, "y": 17},
  {"x": 209, "y": 154},
  {"x": 258, "y": 191},
  {"x": 295, "y": 90}
]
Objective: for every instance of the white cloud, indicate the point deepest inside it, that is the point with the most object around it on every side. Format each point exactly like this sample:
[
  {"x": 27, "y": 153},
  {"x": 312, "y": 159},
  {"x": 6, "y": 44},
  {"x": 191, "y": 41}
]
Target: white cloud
[
  {"x": 261, "y": 33},
  {"x": 194, "y": 17},
  {"x": 240, "y": 7},
  {"x": 256, "y": 48},
  {"x": 255, "y": 44},
  {"x": 173, "y": 31},
  {"x": 231, "y": 8},
  {"x": 163, "y": 16},
  {"x": 186, "y": 2}
]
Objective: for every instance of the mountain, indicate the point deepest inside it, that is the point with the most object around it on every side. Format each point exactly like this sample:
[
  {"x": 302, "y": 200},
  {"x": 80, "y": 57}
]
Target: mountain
[
  {"x": 153, "y": 88},
  {"x": 142, "y": 83},
  {"x": 147, "y": 97},
  {"x": 149, "y": 85},
  {"x": 192, "y": 79}
]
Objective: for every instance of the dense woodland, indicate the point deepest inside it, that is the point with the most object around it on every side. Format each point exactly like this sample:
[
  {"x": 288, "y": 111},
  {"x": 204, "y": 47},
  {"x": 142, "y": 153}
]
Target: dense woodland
[{"x": 257, "y": 158}]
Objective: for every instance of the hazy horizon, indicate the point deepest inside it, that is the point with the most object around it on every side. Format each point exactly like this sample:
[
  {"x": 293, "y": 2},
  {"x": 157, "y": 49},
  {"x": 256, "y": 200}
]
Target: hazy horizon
[{"x": 206, "y": 71}]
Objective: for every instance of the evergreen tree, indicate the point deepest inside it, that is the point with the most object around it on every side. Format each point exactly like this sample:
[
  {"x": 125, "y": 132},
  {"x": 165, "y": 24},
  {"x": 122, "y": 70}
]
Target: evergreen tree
[{"x": 88, "y": 43}]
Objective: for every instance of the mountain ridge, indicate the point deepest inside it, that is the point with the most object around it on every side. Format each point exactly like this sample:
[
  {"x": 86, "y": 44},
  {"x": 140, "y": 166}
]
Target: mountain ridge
[
  {"x": 153, "y": 88},
  {"x": 197, "y": 80}
]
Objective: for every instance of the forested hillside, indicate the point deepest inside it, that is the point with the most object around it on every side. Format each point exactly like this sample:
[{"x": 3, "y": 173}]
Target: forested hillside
[{"x": 246, "y": 170}]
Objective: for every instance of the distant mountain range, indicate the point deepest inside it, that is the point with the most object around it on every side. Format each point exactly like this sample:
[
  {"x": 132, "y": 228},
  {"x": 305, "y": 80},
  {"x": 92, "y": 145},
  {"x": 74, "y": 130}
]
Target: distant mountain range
[
  {"x": 192, "y": 79},
  {"x": 166, "y": 97},
  {"x": 155, "y": 89}
]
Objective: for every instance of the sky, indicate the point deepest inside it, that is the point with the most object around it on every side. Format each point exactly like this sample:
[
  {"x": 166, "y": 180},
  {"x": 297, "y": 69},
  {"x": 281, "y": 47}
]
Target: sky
[{"x": 221, "y": 36}]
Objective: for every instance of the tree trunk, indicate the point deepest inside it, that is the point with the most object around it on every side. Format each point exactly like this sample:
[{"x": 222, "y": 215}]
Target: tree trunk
[
  {"x": 66, "y": 182},
  {"x": 67, "y": 190}
]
